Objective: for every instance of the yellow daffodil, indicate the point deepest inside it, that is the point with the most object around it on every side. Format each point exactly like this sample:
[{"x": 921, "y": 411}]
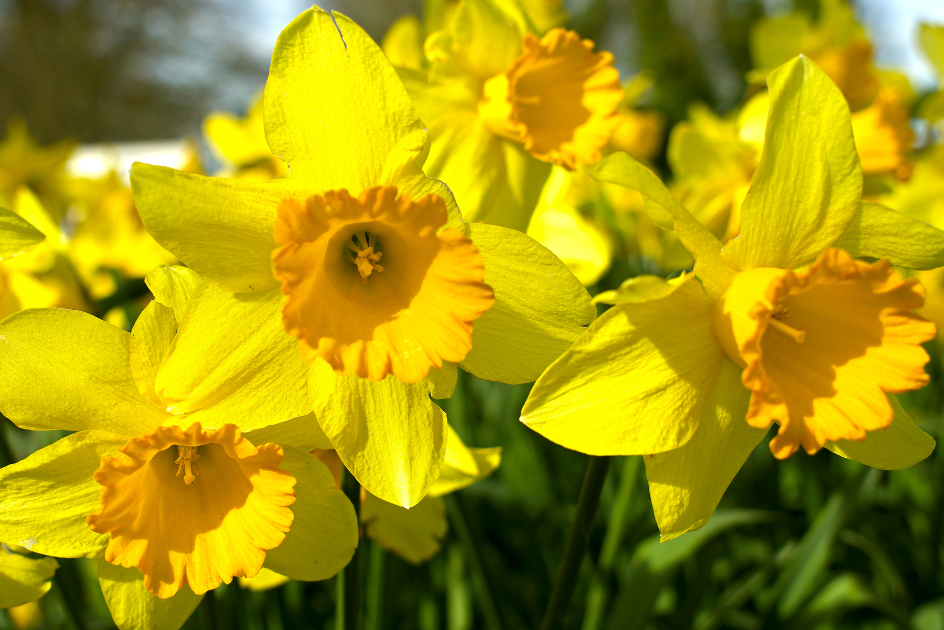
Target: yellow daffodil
[
  {"x": 109, "y": 236},
  {"x": 24, "y": 162},
  {"x": 713, "y": 160},
  {"x": 23, "y": 579},
  {"x": 241, "y": 144},
  {"x": 835, "y": 42},
  {"x": 780, "y": 325},
  {"x": 501, "y": 103},
  {"x": 159, "y": 481},
  {"x": 583, "y": 245},
  {"x": 43, "y": 276},
  {"x": 381, "y": 278},
  {"x": 838, "y": 45}
]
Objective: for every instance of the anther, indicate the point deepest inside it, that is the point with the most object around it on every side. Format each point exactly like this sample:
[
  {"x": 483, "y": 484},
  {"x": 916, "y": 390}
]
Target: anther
[{"x": 185, "y": 463}]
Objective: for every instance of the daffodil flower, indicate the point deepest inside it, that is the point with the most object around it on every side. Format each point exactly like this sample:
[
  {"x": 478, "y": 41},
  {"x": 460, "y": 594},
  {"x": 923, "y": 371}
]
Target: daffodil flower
[
  {"x": 24, "y": 162},
  {"x": 43, "y": 275},
  {"x": 501, "y": 104},
  {"x": 23, "y": 579},
  {"x": 241, "y": 145},
  {"x": 176, "y": 488},
  {"x": 781, "y": 325},
  {"x": 364, "y": 259},
  {"x": 835, "y": 42}
]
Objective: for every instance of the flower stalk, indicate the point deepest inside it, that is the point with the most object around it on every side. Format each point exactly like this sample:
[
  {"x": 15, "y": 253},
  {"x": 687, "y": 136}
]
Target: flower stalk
[
  {"x": 576, "y": 545},
  {"x": 349, "y": 579}
]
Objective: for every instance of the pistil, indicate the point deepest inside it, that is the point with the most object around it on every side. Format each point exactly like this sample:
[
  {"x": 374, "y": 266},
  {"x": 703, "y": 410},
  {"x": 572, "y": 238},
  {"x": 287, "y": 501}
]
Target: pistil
[{"x": 186, "y": 468}]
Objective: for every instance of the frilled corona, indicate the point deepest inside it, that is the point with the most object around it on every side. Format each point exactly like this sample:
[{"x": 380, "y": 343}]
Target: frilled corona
[{"x": 402, "y": 317}]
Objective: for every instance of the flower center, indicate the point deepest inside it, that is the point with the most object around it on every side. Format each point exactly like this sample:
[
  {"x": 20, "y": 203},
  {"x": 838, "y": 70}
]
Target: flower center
[
  {"x": 200, "y": 534},
  {"x": 402, "y": 318},
  {"x": 864, "y": 342},
  {"x": 558, "y": 99},
  {"x": 365, "y": 255},
  {"x": 186, "y": 468}
]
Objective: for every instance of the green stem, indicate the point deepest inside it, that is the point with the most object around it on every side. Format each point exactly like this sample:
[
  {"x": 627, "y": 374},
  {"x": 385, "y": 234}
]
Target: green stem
[
  {"x": 576, "y": 546},
  {"x": 479, "y": 581},
  {"x": 72, "y": 607},
  {"x": 598, "y": 593},
  {"x": 349, "y": 579},
  {"x": 208, "y": 611},
  {"x": 376, "y": 573}
]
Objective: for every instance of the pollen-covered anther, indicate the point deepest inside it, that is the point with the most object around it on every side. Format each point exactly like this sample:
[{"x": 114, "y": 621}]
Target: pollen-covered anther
[{"x": 366, "y": 256}]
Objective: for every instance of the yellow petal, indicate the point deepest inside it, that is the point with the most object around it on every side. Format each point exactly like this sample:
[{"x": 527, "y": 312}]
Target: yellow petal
[
  {"x": 821, "y": 347},
  {"x": 540, "y": 308},
  {"x": 81, "y": 358},
  {"x": 669, "y": 214},
  {"x": 229, "y": 355},
  {"x": 442, "y": 382},
  {"x": 485, "y": 39},
  {"x": 388, "y": 433},
  {"x": 265, "y": 580},
  {"x": 324, "y": 533},
  {"x": 403, "y": 43},
  {"x": 205, "y": 517},
  {"x": 132, "y": 607},
  {"x": 687, "y": 483},
  {"x": 636, "y": 383},
  {"x": 366, "y": 132},
  {"x": 16, "y": 234},
  {"x": 808, "y": 185},
  {"x": 151, "y": 339},
  {"x": 639, "y": 289},
  {"x": 47, "y": 496},
  {"x": 900, "y": 445},
  {"x": 372, "y": 288},
  {"x": 23, "y": 579},
  {"x": 581, "y": 244},
  {"x": 880, "y": 232},
  {"x": 494, "y": 180},
  {"x": 221, "y": 228},
  {"x": 415, "y": 534},
  {"x": 303, "y": 433},
  {"x": 931, "y": 38},
  {"x": 172, "y": 287},
  {"x": 463, "y": 466}
]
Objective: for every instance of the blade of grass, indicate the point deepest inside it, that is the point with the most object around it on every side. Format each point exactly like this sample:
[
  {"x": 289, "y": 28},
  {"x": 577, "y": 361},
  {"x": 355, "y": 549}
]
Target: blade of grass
[{"x": 469, "y": 546}]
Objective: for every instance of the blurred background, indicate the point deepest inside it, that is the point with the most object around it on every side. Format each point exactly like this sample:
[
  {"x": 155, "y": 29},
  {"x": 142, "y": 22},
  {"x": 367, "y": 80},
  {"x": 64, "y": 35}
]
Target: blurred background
[
  {"x": 813, "y": 542},
  {"x": 122, "y": 70}
]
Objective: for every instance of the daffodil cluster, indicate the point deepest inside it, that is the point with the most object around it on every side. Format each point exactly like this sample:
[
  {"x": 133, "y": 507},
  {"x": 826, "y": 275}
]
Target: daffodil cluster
[{"x": 388, "y": 215}]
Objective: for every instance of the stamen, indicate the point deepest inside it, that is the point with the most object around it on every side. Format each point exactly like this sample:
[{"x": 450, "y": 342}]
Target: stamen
[
  {"x": 797, "y": 335},
  {"x": 185, "y": 463},
  {"x": 366, "y": 262}
]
